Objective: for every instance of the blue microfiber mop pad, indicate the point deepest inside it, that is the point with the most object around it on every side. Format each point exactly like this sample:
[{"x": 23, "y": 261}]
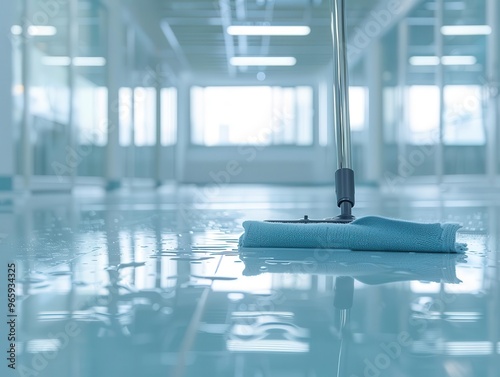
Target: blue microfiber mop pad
[{"x": 367, "y": 233}]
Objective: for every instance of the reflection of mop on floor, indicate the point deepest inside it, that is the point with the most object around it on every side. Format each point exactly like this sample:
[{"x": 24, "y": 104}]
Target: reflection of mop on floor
[
  {"x": 369, "y": 233},
  {"x": 368, "y": 267},
  {"x": 343, "y": 298}
]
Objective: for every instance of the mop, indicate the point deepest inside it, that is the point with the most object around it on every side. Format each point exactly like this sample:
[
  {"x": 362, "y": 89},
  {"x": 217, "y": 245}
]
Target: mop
[{"x": 345, "y": 231}]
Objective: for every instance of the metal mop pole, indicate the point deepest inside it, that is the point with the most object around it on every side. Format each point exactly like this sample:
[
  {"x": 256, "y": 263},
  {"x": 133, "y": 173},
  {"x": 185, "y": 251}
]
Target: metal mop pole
[
  {"x": 342, "y": 301},
  {"x": 344, "y": 176}
]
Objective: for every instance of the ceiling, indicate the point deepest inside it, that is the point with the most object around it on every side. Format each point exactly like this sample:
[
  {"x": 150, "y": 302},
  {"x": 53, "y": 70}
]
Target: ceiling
[{"x": 190, "y": 34}]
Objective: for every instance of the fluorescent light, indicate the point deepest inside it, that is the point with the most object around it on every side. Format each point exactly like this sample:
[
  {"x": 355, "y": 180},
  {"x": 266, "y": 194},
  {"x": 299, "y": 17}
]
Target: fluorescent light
[
  {"x": 445, "y": 60},
  {"x": 56, "y": 60},
  {"x": 16, "y": 30},
  {"x": 424, "y": 60},
  {"x": 41, "y": 30},
  {"x": 267, "y": 345},
  {"x": 35, "y": 30},
  {"x": 263, "y": 60},
  {"x": 268, "y": 30},
  {"x": 89, "y": 61},
  {"x": 43, "y": 345},
  {"x": 459, "y": 60},
  {"x": 81, "y": 61},
  {"x": 466, "y": 30}
]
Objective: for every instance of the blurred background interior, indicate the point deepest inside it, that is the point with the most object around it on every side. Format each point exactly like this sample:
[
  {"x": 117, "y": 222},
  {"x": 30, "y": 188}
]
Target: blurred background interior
[{"x": 134, "y": 93}]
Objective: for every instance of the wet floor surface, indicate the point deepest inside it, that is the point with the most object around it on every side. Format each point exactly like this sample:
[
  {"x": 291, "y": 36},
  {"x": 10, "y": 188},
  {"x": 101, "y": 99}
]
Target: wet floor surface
[{"x": 154, "y": 284}]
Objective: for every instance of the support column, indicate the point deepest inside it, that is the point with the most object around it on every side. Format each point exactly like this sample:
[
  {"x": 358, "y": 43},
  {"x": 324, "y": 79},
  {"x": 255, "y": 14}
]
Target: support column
[
  {"x": 493, "y": 77},
  {"x": 131, "y": 148},
  {"x": 72, "y": 41},
  {"x": 131, "y": 42},
  {"x": 183, "y": 127},
  {"x": 401, "y": 132},
  {"x": 115, "y": 68},
  {"x": 324, "y": 125},
  {"x": 439, "y": 41},
  {"x": 322, "y": 136},
  {"x": 7, "y": 171},
  {"x": 375, "y": 132},
  {"x": 158, "y": 155},
  {"x": 327, "y": 117},
  {"x": 26, "y": 148}
]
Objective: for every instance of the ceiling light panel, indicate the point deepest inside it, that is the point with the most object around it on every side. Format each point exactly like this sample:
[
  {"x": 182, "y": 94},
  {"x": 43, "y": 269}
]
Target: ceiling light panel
[
  {"x": 268, "y": 30},
  {"x": 456, "y": 30},
  {"x": 263, "y": 61}
]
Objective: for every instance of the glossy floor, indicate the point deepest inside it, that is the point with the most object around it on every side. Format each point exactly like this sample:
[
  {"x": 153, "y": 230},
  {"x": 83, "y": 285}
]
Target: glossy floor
[{"x": 153, "y": 284}]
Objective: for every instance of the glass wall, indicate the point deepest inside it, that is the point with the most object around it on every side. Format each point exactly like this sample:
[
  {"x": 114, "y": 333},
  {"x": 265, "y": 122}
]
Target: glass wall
[
  {"x": 138, "y": 116},
  {"x": 61, "y": 93},
  {"x": 262, "y": 115},
  {"x": 434, "y": 111},
  {"x": 42, "y": 51},
  {"x": 138, "y": 127},
  {"x": 90, "y": 107}
]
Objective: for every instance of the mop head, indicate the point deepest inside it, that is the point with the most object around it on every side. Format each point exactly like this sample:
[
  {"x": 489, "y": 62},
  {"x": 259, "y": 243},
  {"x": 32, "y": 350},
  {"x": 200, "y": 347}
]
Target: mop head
[{"x": 367, "y": 233}]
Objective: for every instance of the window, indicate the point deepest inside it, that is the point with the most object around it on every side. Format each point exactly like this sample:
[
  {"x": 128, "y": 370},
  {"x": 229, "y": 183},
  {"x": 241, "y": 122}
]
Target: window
[
  {"x": 50, "y": 103},
  {"x": 168, "y": 116},
  {"x": 145, "y": 116},
  {"x": 91, "y": 114},
  {"x": 125, "y": 114},
  {"x": 463, "y": 115},
  {"x": 261, "y": 115},
  {"x": 463, "y": 124},
  {"x": 423, "y": 114},
  {"x": 357, "y": 107}
]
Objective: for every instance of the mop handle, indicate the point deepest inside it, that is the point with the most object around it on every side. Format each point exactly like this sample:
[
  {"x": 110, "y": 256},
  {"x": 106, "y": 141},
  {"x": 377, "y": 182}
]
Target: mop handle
[{"x": 341, "y": 85}]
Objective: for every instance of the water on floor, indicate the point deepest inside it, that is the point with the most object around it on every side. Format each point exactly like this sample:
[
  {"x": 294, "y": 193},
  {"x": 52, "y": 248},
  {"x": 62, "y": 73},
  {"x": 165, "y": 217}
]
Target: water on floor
[{"x": 153, "y": 284}]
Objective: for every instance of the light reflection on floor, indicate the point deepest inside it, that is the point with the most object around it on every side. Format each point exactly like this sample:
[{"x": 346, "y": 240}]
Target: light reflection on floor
[{"x": 154, "y": 284}]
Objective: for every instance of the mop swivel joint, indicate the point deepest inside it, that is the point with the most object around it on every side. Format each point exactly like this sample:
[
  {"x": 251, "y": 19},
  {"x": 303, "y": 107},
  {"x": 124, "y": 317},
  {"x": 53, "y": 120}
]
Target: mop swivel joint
[{"x": 344, "y": 187}]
